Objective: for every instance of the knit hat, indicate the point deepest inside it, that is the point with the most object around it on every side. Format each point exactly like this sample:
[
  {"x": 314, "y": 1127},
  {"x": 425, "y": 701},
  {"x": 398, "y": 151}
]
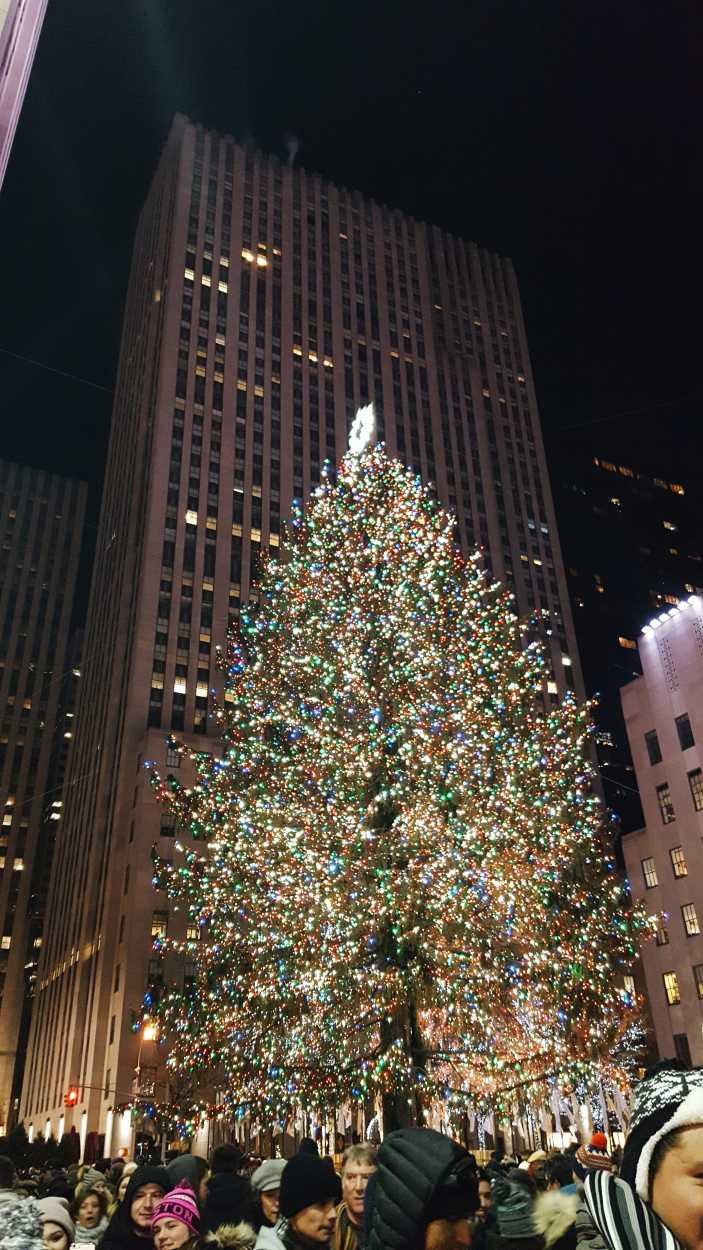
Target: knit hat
[
  {"x": 514, "y": 1205},
  {"x": 593, "y": 1157},
  {"x": 21, "y": 1225},
  {"x": 268, "y": 1176},
  {"x": 180, "y": 1204},
  {"x": 55, "y": 1211},
  {"x": 91, "y": 1176},
  {"x": 670, "y": 1097},
  {"x": 306, "y": 1180}
]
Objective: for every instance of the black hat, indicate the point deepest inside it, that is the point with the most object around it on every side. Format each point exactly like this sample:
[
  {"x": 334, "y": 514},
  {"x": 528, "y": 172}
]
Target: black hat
[
  {"x": 670, "y": 1097},
  {"x": 305, "y": 1181}
]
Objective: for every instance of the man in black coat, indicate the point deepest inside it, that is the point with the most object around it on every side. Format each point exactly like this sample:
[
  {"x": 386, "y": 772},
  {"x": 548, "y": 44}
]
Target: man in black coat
[{"x": 424, "y": 1195}]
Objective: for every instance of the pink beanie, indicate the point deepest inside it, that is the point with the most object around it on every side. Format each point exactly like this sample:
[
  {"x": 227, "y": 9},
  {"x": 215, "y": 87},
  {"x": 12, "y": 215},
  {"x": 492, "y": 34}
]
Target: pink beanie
[{"x": 179, "y": 1204}]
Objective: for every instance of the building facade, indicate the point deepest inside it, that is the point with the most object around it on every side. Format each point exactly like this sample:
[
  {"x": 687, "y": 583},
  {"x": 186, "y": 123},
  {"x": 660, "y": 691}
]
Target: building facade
[
  {"x": 42, "y": 525},
  {"x": 663, "y": 712},
  {"x": 633, "y": 545},
  {"x": 265, "y": 305},
  {"x": 20, "y": 27}
]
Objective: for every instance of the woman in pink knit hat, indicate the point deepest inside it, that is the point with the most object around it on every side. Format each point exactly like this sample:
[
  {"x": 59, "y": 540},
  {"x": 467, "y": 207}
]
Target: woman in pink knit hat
[{"x": 175, "y": 1224}]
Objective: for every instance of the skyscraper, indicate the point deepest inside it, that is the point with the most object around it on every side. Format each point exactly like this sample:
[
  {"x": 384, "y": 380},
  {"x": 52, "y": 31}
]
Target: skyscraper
[
  {"x": 42, "y": 524},
  {"x": 20, "y": 27},
  {"x": 264, "y": 306},
  {"x": 662, "y": 711}
]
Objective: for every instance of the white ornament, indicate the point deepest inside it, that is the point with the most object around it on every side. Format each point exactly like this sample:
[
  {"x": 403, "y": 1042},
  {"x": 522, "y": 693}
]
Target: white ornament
[{"x": 363, "y": 430}]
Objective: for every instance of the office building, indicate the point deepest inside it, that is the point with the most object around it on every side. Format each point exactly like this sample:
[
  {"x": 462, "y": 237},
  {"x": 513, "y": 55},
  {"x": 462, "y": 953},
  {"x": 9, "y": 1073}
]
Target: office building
[
  {"x": 633, "y": 546},
  {"x": 265, "y": 304},
  {"x": 664, "y": 859},
  {"x": 20, "y": 27},
  {"x": 42, "y": 524}
]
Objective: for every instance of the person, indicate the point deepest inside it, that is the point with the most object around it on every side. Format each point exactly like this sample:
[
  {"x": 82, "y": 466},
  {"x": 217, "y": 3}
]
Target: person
[
  {"x": 555, "y": 1209},
  {"x": 127, "y": 1172},
  {"x": 57, "y": 1227},
  {"x": 308, "y": 1147},
  {"x": 358, "y": 1164},
  {"x": 228, "y": 1195},
  {"x": 535, "y": 1167},
  {"x": 8, "y": 1194},
  {"x": 485, "y": 1215},
  {"x": 21, "y": 1226},
  {"x": 130, "y": 1226},
  {"x": 266, "y": 1186},
  {"x": 658, "y": 1199},
  {"x": 90, "y": 1215},
  {"x": 310, "y": 1192},
  {"x": 175, "y": 1220},
  {"x": 423, "y": 1196},
  {"x": 193, "y": 1171},
  {"x": 514, "y": 1198}
]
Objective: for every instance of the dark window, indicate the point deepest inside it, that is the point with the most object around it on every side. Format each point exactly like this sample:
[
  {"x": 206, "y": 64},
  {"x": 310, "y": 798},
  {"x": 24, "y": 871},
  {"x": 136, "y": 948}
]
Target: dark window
[
  {"x": 683, "y": 729},
  {"x": 682, "y": 1048},
  {"x": 698, "y": 978},
  {"x": 651, "y": 742}
]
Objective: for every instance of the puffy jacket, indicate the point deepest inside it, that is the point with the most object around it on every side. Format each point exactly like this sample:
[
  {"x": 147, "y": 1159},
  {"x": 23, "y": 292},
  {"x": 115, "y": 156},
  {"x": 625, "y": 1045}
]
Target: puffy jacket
[{"x": 412, "y": 1164}]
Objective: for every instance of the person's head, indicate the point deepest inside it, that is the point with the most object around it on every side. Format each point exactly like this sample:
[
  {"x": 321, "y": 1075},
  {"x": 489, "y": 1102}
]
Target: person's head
[
  {"x": 485, "y": 1197},
  {"x": 559, "y": 1171},
  {"x": 266, "y": 1184},
  {"x": 309, "y": 1193},
  {"x": 663, "y": 1155},
  {"x": 308, "y": 1147},
  {"x": 421, "y": 1164},
  {"x": 226, "y": 1158},
  {"x": 58, "y": 1230},
  {"x": 7, "y": 1172},
  {"x": 190, "y": 1170},
  {"x": 90, "y": 1207},
  {"x": 127, "y": 1172},
  {"x": 358, "y": 1164},
  {"x": 146, "y": 1186},
  {"x": 514, "y": 1204},
  {"x": 176, "y": 1219}
]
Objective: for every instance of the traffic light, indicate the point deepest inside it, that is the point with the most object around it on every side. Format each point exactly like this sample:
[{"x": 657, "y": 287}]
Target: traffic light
[{"x": 70, "y": 1098}]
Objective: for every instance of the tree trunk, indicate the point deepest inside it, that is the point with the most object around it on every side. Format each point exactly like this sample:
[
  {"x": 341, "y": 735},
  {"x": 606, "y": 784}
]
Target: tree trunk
[{"x": 401, "y": 1107}]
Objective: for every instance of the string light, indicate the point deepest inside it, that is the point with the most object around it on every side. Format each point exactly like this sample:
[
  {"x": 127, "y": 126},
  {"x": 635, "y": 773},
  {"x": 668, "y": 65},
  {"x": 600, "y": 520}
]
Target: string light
[{"x": 398, "y": 870}]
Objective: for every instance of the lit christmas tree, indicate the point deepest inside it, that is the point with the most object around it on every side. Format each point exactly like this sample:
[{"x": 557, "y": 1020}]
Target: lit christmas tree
[{"x": 398, "y": 866}]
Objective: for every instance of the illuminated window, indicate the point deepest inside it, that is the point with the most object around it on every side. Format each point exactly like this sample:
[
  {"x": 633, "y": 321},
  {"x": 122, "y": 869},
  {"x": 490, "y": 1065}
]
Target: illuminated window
[
  {"x": 671, "y": 988},
  {"x": 5, "y": 942},
  {"x": 678, "y": 861},
  {"x": 617, "y": 503},
  {"x": 193, "y": 933},
  {"x": 666, "y": 807},
  {"x": 649, "y": 872},
  {"x": 173, "y": 758},
  {"x": 661, "y": 484},
  {"x": 683, "y": 729},
  {"x": 623, "y": 469},
  {"x": 628, "y": 643},
  {"x": 191, "y": 517},
  {"x": 662, "y": 938},
  {"x": 698, "y": 978},
  {"x": 552, "y": 687},
  {"x": 669, "y": 525},
  {"x": 695, "y": 781},
  {"x": 247, "y": 255},
  {"x": 629, "y": 985},
  {"x": 179, "y": 685},
  {"x": 690, "y": 919},
  {"x": 159, "y": 924},
  {"x": 673, "y": 599},
  {"x": 18, "y": 865},
  {"x": 678, "y": 490},
  {"x": 605, "y": 464}
]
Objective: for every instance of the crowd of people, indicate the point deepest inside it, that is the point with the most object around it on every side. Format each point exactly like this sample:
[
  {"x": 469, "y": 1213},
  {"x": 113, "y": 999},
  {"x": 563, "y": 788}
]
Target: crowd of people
[{"x": 421, "y": 1190}]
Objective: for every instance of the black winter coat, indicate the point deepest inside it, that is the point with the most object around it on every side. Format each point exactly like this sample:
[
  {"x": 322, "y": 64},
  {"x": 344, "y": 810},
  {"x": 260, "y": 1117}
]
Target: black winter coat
[{"x": 412, "y": 1164}]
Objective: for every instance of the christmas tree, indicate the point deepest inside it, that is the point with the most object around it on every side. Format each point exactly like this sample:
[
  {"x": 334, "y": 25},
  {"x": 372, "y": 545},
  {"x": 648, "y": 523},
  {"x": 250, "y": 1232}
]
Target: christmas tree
[{"x": 398, "y": 867}]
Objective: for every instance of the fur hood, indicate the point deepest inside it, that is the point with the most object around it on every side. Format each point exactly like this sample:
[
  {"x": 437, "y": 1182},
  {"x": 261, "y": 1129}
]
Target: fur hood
[
  {"x": 20, "y": 1225},
  {"x": 231, "y": 1237},
  {"x": 554, "y": 1214}
]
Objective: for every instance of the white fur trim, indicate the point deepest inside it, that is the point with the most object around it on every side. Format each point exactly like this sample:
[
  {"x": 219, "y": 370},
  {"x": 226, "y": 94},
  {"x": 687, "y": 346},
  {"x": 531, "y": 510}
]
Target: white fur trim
[{"x": 690, "y": 1112}]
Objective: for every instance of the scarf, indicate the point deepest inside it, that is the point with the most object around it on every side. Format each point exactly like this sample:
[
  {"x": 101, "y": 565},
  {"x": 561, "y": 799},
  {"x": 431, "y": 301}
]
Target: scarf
[
  {"x": 91, "y": 1236},
  {"x": 346, "y": 1234},
  {"x": 623, "y": 1220}
]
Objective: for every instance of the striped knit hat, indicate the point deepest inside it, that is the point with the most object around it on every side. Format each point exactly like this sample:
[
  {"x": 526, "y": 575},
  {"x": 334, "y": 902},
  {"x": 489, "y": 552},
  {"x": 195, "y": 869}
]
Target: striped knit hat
[
  {"x": 670, "y": 1097},
  {"x": 179, "y": 1204}
]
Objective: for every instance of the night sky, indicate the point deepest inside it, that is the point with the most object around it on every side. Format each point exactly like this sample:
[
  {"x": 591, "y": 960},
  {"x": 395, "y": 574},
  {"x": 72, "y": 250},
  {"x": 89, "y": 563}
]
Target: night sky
[{"x": 564, "y": 134}]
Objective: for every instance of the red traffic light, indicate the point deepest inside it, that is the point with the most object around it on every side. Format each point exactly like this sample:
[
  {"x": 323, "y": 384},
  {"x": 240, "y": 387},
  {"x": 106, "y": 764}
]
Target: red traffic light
[{"x": 71, "y": 1096}]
